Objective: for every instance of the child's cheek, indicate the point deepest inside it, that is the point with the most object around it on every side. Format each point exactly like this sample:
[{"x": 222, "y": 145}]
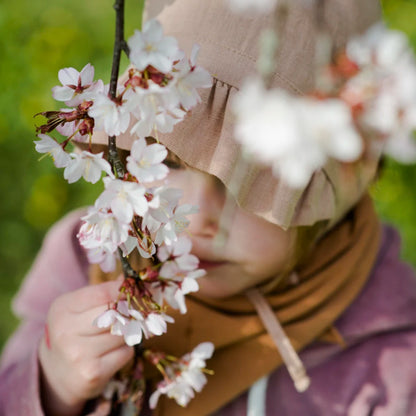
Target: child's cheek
[{"x": 266, "y": 256}]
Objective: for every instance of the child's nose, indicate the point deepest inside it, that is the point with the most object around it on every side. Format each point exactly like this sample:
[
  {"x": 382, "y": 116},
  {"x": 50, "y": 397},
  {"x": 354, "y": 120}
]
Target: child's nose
[{"x": 209, "y": 195}]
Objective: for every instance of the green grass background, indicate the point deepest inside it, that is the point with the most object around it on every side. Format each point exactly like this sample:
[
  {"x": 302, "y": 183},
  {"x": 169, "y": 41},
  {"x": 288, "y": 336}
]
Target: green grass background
[{"x": 39, "y": 38}]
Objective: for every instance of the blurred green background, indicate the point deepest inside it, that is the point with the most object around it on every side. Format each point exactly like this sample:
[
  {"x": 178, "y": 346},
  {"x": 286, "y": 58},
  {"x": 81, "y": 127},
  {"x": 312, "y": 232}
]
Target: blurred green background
[{"x": 38, "y": 39}]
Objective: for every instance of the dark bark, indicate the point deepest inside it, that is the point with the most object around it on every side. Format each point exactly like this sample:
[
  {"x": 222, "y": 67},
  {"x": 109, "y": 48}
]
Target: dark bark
[{"x": 119, "y": 45}]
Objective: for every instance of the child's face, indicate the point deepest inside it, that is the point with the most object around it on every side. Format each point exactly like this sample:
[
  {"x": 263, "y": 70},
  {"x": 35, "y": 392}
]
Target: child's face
[{"x": 255, "y": 251}]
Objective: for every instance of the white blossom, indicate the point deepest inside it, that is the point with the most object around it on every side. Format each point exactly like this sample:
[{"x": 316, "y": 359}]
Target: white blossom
[
  {"x": 178, "y": 274},
  {"x": 192, "y": 373},
  {"x": 379, "y": 47},
  {"x": 179, "y": 252},
  {"x": 156, "y": 323},
  {"x": 138, "y": 325},
  {"x": 146, "y": 103},
  {"x": 401, "y": 144},
  {"x": 188, "y": 78},
  {"x": 48, "y": 145},
  {"x": 87, "y": 165},
  {"x": 173, "y": 285},
  {"x": 329, "y": 125},
  {"x": 171, "y": 270},
  {"x": 101, "y": 228},
  {"x": 145, "y": 161},
  {"x": 164, "y": 201},
  {"x": 295, "y": 136},
  {"x": 150, "y": 47},
  {"x": 176, "y": 223},
  {"x": 386, "y": 89},
  {"x": 177, "y": 389},
  {"x": 326, "y": 130},
  {"x": 108, "y": 115},
  {"x": 161, "y": 121},
  {"x": 155, "y": 108},
  {"x": 123, "y": 198},
  {"x": 102, "y": 253},
  {"x": 185, "y": 377},
  {"x": 108, "y": 318},
  {"x": 267, "y": 124},
  {"x": 145, "y": 246},
  {"x": 74, "y": 84},
  {"x": 133, "y": 329}
]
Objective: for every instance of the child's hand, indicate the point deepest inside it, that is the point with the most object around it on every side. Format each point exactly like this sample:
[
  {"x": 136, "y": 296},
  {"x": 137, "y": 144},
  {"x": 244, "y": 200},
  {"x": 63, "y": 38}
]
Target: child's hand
[{"x": 77, "y": 359}]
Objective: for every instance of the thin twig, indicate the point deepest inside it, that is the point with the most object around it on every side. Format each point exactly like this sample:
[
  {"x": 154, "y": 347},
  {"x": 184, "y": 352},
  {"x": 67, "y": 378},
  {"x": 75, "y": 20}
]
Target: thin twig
[
  {"x": 113, "y": 156},
  {"x": 119, "y": 45},
  {"x": 128, "y": 271}
]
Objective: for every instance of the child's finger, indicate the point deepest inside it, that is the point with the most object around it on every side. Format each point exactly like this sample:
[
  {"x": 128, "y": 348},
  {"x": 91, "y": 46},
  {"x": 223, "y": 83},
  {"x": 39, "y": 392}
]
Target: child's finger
[
  {"x": 116, "y": 359},
  {"x": 91, "y": 296},
  {"x": 96, "y": 346},
  {"x": 94, "y": 374},
  {"x": 105, "y": 343}
]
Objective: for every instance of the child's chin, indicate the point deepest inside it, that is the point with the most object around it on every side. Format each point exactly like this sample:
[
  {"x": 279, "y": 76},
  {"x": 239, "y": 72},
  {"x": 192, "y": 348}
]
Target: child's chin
[{"x": 222, "y": 281}]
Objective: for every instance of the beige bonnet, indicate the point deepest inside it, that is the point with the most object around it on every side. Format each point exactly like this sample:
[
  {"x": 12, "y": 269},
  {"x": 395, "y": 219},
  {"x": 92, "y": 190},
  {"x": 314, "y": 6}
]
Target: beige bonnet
[{"x": 229, "y": 50}]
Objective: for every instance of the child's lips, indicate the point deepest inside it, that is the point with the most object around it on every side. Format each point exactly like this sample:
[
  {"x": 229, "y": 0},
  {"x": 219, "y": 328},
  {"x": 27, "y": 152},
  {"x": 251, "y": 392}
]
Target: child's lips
[{"x": 205, "y": 264}]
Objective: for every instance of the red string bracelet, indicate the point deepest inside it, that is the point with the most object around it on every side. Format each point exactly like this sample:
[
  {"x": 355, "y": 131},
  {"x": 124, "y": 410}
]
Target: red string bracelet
[{"x": 47, "y": 339}]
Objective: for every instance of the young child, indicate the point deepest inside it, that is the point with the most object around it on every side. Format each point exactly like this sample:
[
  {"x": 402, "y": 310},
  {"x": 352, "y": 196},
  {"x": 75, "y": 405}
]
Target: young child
[{"x": 317, "y": 256}]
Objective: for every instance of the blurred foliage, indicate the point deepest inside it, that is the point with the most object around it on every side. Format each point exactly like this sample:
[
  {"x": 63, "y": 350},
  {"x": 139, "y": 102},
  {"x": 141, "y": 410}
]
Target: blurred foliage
[{"x": 39, "y": 38}]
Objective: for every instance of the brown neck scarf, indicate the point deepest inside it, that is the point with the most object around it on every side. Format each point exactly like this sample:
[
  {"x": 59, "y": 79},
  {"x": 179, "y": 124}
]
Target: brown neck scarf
[{"x": 330, "y": 280}]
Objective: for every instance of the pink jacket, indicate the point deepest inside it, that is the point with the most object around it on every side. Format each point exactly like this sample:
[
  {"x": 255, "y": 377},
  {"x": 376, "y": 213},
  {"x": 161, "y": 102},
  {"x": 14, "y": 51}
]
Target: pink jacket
[{"x": 374, "y": 375}]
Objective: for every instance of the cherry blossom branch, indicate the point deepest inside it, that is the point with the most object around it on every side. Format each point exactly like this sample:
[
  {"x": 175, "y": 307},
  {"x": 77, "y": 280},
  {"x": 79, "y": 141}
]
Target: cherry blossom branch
[
  {"x": 128, "y": 271},
  {"x": 119, "y": 45},
  {"x": 125, "y": 217},
  {"x": 113, "y": 157}
]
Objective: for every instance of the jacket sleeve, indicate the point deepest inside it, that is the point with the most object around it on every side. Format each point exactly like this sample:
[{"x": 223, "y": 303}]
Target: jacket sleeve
[{"x": 60, "y": 267}]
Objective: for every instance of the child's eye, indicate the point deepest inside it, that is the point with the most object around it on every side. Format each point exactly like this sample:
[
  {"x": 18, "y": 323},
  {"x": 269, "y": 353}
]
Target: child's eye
[
  {"x": 171, "y": 164},
  {"x": 174, "y": 162}
]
